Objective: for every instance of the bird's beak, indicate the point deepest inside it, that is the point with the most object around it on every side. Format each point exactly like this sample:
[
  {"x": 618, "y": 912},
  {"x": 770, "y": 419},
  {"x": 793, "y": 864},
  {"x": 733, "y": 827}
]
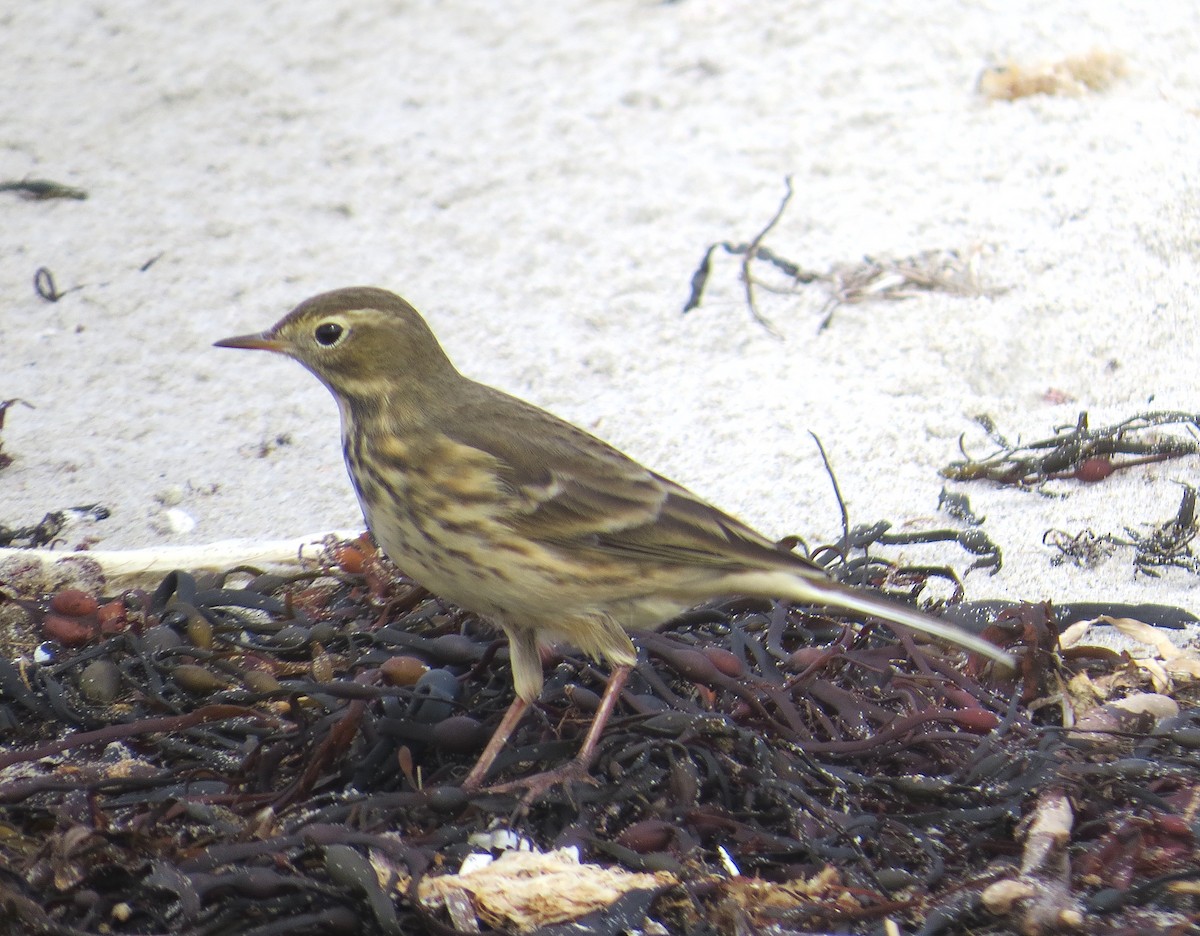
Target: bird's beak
[{"x": 263, "y": 341}]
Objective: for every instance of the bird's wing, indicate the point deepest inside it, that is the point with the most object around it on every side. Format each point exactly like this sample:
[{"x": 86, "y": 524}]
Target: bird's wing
[{"x": 569, "y": 489}]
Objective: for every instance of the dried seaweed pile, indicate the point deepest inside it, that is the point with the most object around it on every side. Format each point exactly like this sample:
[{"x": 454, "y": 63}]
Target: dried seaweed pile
[{"x": 258, "y": 755}]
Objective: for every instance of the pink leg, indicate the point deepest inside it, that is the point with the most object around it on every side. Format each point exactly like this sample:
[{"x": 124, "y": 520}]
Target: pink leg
[
  {"x": 537, "y": 784},
  {"x": 499, "y": 738},
  {"x": 612, "y": 692}
]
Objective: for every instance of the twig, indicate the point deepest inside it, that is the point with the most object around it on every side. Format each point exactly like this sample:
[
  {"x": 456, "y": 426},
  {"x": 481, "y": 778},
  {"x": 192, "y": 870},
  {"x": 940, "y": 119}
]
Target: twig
[
  {"x": 1076, "y": 451},
  {"x": 837, "y": 491},
  {"x": 873, "y": 279},
  {"x": 752, "y": 252}
]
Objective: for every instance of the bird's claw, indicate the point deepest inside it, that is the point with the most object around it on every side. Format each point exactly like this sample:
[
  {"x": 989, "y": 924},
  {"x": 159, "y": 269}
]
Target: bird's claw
[{"x": 537, "y": 785}]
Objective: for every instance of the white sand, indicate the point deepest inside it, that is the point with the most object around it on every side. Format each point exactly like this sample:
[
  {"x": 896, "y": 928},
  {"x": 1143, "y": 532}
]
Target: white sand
[{"x": 542, "y": 182}]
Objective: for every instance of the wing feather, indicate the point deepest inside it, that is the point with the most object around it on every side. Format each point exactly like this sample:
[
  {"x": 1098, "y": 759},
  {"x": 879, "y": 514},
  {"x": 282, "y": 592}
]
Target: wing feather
[{"x": 568, "y": 489}]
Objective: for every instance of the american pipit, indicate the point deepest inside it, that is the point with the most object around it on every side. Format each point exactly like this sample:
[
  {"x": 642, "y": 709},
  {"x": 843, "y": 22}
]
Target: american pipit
[{"x": 510, "y": 512}]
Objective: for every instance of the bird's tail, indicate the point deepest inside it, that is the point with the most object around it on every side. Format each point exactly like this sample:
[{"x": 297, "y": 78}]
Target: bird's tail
[{"x": 820, "y": 589}]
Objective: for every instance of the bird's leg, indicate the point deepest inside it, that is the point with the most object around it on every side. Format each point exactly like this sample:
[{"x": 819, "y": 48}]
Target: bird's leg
[
  {"x": 537, "y": 784},
  {"x": 608, "y": 702},
  {"x": 499, "y": 738}
]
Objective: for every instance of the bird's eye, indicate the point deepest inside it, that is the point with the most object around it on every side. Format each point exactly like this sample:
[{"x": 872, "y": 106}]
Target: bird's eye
[{"x": 328, "y": 334}]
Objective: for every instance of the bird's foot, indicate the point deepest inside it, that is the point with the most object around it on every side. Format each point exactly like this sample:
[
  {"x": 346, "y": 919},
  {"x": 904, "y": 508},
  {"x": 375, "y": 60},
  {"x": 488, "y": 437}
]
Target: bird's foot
[{"x": 538, "y": 785}]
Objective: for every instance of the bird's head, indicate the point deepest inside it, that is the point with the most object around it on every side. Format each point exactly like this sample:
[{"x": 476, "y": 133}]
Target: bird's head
[{"x": 360, "y": 342}]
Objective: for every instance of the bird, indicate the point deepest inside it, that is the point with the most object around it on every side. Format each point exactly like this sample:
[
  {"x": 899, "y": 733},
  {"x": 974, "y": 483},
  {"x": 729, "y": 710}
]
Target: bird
[{"x": 527, "y": 520}]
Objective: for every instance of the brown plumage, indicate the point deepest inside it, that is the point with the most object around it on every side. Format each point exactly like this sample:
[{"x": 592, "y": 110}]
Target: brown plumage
[{"x": 517, "y": 515}]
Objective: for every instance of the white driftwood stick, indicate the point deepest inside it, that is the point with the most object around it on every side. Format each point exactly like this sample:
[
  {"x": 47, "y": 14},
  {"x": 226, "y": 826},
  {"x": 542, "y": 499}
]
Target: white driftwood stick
[{"x": 120, "y": 564}]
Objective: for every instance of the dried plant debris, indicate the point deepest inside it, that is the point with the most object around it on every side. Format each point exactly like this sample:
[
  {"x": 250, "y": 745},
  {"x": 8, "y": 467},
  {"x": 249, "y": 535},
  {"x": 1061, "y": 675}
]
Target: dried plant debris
[
  {"x": 887, "y": 279},
  {"x": 1077, "y": 452},
  {"x": 1073, "y": 76},
  {"x": 248, "y": 753},
  {"x": 863, "y": 537},
  {"x": 1168, "y": 545},
  {"x": 843, "y": 562},
  {"x": 959, "y": 507},
  {"x": 1084, "y": 549},
  {"x": 527, "y": 890},
  {"x": 872, "y": 279},
  {"x": 749, "y": 252},
  {"x": 46, "y": 287},
  {"x": 5, "y": 406},
  {"x": 1164, "y": 663},
  {"x": 1039, "y": 893},
  {"x": 43, "y": 190},
  {"x": 48, "y": 531}
]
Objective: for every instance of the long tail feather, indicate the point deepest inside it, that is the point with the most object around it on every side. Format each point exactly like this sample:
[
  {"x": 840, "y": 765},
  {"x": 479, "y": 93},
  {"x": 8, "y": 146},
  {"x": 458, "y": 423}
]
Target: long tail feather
[{"x": 821, "y": 590}]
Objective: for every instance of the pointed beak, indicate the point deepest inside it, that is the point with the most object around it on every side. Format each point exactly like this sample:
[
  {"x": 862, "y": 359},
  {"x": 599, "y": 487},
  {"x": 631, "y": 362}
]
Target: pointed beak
[{"x": 263, "y": 341}]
